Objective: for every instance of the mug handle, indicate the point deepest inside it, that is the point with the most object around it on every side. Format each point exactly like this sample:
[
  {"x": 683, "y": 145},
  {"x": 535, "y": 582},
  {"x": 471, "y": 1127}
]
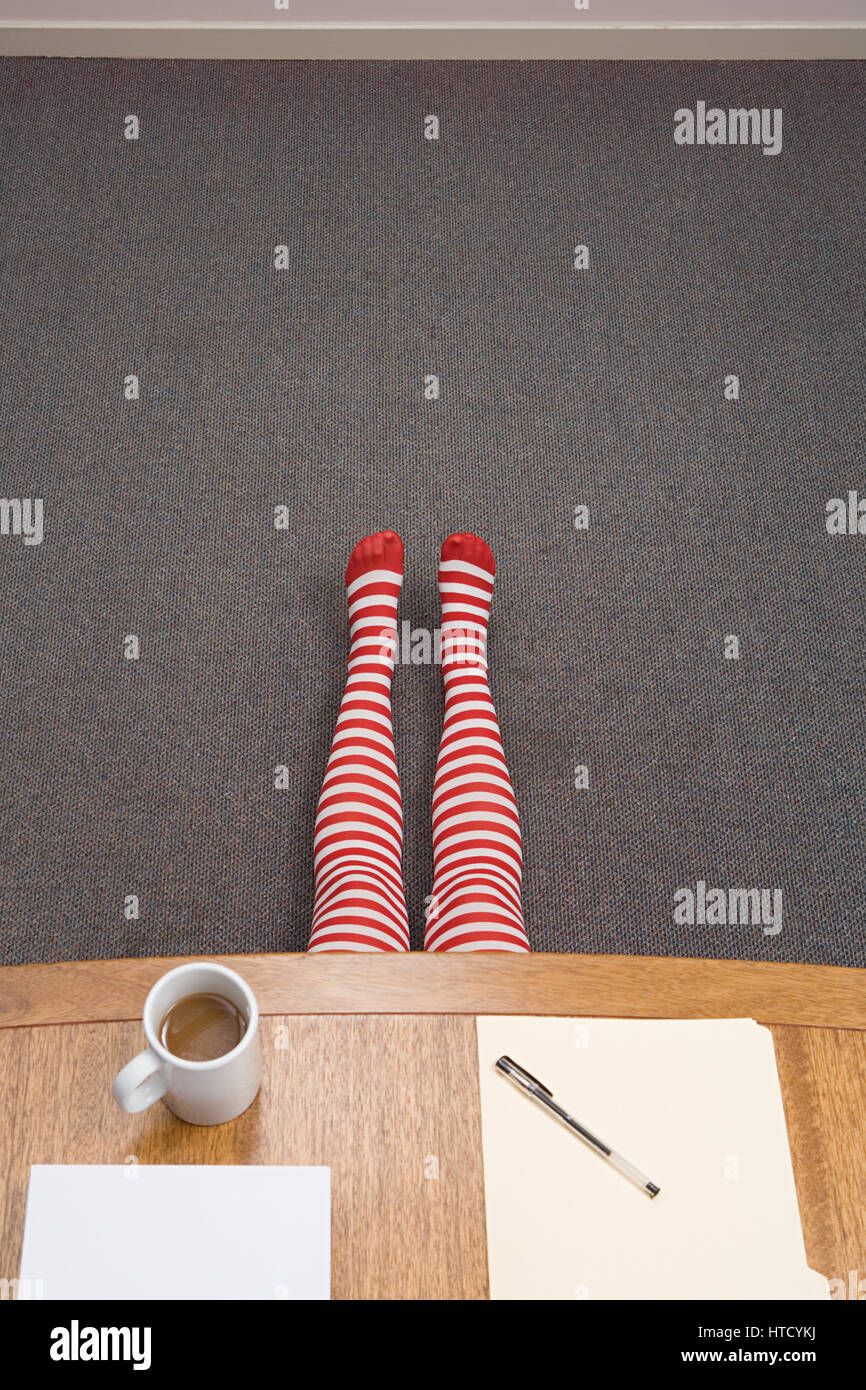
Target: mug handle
[{"x": 140, "y": 1082}]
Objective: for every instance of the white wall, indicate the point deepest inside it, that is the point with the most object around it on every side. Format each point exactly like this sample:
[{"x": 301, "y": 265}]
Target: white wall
[
  {"x": 419, "y": 29},
  {"x": 436, "y": 11}
]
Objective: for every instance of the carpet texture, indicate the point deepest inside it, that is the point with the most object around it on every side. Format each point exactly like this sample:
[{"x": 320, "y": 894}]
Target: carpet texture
[{"x": 138, "y": 808}]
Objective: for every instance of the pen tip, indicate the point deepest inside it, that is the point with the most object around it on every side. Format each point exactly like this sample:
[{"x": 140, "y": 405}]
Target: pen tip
[{"x": 652, "y": 1189}]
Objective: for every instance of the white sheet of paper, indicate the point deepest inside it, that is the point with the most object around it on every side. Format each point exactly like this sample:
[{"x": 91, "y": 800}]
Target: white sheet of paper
[
  {"x": 143, "y": 1231},
  {"x": 696, "y": 1106}
]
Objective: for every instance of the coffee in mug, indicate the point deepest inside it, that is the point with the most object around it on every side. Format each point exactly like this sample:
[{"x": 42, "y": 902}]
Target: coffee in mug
[{"x": 200, "y": 1027}]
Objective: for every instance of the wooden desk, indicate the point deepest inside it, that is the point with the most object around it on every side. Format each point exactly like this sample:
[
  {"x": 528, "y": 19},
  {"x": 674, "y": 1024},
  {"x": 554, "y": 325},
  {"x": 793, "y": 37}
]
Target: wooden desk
[{"x": 368, "y": 1063}]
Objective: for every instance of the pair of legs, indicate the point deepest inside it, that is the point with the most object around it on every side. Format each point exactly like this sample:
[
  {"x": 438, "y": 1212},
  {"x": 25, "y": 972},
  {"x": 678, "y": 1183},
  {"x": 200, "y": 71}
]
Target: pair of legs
[{"x": 358, "y": 845}]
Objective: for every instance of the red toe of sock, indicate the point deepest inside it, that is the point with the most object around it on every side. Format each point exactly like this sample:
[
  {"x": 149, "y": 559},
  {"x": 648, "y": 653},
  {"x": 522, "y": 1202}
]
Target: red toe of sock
[
  {"x": 381, "y": 551},
  {"x": 471, "y": 549}
]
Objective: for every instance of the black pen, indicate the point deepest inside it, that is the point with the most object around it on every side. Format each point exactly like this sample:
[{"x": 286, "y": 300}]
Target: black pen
[{"x": 535, "y": 1088}]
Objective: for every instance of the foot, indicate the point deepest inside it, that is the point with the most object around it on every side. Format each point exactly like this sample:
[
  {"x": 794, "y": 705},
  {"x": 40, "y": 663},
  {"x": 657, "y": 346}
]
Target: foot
[
  {"x": 382, "y": 551},
  {"x": 466, "y": 573},
  {"x": 374, "y": 575},
  {"x": 471, "y": 550}
]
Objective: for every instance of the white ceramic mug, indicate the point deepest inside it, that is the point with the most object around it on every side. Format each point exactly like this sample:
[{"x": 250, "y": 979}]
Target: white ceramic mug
[{"x": 204, "y": 1093}]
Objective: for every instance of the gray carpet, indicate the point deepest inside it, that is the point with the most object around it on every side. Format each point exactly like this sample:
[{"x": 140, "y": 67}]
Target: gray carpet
[{"x": 305, "y": 387}]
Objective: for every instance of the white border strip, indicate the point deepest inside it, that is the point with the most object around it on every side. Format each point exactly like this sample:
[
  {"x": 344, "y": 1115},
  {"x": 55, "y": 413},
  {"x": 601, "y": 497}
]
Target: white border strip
[{"x": 183, "y": 39}]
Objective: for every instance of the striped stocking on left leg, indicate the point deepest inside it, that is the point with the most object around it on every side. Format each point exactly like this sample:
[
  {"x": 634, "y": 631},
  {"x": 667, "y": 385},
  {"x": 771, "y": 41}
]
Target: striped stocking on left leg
[{"x": 358, "y": 844}]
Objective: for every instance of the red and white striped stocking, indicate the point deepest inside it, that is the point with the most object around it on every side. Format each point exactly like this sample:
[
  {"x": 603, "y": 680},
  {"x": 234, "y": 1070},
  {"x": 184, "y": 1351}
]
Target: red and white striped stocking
[
  {"x": 477, "y": 858},
  {"x": 358, "y": 844}
]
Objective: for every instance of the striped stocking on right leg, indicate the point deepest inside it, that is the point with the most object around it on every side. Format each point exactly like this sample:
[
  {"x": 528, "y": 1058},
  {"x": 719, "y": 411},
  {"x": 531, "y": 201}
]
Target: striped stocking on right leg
[{"x": 477, "y": 853}]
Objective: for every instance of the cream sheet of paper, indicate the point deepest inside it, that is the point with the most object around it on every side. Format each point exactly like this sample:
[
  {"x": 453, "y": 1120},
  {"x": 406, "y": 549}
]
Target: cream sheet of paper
[
  {"x": 696, "y": 1105},
  {"x": 142, "y": 1231}
]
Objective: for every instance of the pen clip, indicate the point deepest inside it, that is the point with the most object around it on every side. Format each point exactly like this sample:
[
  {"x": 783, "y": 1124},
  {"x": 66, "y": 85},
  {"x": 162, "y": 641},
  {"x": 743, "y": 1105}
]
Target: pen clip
[{"x": 515, "y": 1066}]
